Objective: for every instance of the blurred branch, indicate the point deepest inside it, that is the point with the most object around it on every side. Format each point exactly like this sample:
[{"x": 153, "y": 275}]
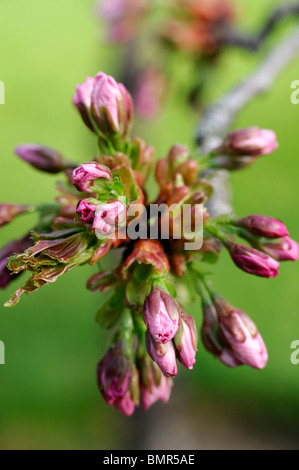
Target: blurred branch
[
  {"x": 218, "y": 118},
  {"x": 255, "y": 42}
]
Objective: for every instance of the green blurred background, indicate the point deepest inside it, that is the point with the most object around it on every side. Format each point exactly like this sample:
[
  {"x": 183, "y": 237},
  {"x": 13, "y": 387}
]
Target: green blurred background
[{"x": 48, "y": 393}]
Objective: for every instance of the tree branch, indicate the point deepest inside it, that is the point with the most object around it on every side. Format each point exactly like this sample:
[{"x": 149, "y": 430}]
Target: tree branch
[
  {"x": 218, "y": 118},
  {"x": 236, "y": 38}
]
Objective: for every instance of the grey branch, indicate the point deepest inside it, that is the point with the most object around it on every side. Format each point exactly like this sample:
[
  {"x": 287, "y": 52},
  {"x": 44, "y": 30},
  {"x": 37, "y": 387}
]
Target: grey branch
[
  {"x": 255, "y": 42},
  {"x": 219, "y": 117}
]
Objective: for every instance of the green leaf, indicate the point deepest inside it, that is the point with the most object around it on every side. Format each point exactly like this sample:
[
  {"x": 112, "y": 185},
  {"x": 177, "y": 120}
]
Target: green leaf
[
  {"x": 139, "y": 285},
  {"x": 110, "y": 312},
  {"x": 186, "y": 292},
  {"x": 137, "y": 291}
]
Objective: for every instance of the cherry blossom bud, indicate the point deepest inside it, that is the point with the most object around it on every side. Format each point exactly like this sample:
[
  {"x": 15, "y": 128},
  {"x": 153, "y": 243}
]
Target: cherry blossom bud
[
  {"x": 263, "y": 226},
  {"x": 232, "y": 336},
  {"x": 108, "y": 217},
  {"x": 82, "y": 100},
  {"x": 43, "y": 158},
  {"x": 125, "y": 404},
  {"x": 161, "y": 316},
  {"x": 85, "y": 175},
  {"x": 114, "y": 375},
  {"x": 87, "y": 210},
  {"x": 211, "y": 337},
  {"x": 154, "y": 385},
  {"x": 111, "y": 106},
  {"x": 9, "y": 211},
  {"x": 285, "y": 249},
  {"x": 253, "y": 261},
  {"x": 250, "y": 141},
  {"x": 185, "y": 341},
  {"x": 163, "y": 354},
  {"x": 240, "y": 333}
]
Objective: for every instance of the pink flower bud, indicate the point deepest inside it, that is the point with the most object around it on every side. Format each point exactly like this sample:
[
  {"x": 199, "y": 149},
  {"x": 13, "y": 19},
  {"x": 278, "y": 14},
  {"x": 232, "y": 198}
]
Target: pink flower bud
[
  {"x": 108, "y": 217},
  {"x": 263, "y": 226},
  {"x": 154, "y": 385},
  {"x": 9, "y": 211},
  {"x": 114, "y": 374},
  {"x": 125, "y": 404},
  {"x": 160, "y": 313},
  {"x": 231, "y": 335},
  {"x": 251, "y": 141},
  {"x": 111, "y": 106},
  {"x": 282, "y": 250},
  {"x": 253, "y": 261},
  {"x": 43, "y": 158},
  {"x": 211, "y": 339},
  {"x": 163, "y": 354},
  {"x": 82, "y": 100},
  {"x": 85, "y": 175},
  {"x": 186, "y": 341},
  {"x": 87, "y": 210},
  {"x": 245, "y": 343}
]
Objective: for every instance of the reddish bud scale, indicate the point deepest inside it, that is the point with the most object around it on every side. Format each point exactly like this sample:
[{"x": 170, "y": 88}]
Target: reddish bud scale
[
  {"x": 9, "y": 211},
  {"x": 12, "y": 248},
  {"x": 147, "y": 252}
]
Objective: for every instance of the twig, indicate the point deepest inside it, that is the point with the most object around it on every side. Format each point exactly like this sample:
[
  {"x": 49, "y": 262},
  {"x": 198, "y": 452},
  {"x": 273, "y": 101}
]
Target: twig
[
  {"x": 218, "y": 118},
  {"x": 236, "y": 38}
]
